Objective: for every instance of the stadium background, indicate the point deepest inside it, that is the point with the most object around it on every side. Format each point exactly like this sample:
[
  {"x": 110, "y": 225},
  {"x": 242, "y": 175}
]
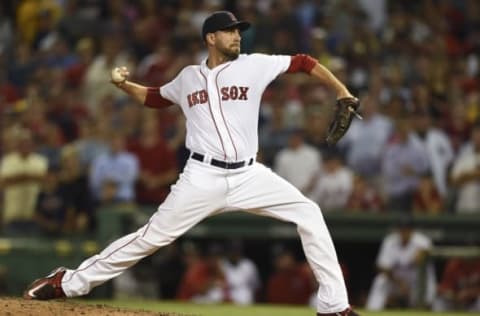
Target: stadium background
[{"x": 412, "y": 59}]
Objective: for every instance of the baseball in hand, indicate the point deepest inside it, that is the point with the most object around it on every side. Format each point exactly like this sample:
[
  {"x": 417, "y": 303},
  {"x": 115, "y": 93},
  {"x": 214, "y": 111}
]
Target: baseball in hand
[{"x": 119, "y": 74}]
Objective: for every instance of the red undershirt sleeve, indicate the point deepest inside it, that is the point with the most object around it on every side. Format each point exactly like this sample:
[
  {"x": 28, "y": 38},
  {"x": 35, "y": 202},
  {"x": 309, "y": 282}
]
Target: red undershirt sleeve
[
  {"x": 155, "y": 100},
  {"x": 301, "y": 63}
]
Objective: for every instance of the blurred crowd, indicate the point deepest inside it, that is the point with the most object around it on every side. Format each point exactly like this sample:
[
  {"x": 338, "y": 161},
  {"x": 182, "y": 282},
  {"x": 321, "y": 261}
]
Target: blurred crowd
[{"x": 71, "y": 143}]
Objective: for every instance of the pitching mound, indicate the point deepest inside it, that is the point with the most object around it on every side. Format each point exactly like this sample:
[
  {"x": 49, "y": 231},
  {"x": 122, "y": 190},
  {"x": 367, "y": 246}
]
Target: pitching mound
[{"x": 10, "y": 306}]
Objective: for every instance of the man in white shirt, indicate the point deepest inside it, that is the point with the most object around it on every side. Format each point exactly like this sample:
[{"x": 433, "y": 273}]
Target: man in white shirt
[
  {"x": 299, "y": 162},
  {"x": 403, "y": 162},
  {"x": 241, "y": 275},
  {"x": 401, "y": 255},
  {"x": 333, "y": 185},
  {"x": 366, "y": 139},
  {"x": 117, "y": 168},
  {"x": 437, "y": 146},
  {"x": 21, "y": 174},
  {"x": 465, "y": 176}
]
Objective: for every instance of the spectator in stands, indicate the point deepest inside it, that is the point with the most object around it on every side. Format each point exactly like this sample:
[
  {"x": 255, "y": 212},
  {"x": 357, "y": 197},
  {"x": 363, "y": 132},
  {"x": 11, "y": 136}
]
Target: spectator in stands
[
  {"x": 75, "y": 73},
  {"x": 113, "y": 175},
  {"x": 465, "y": 176},
  {"x": 404, "y": 160},
  {"x": 287, "y": 166},
  {"x": 437, "y": 146},
  {"x": 21, "y": 174},
  {"x": 426, "y": 198},
  {"x": 290, "y": 283},
  {"x": 466, "y": 145},
  {"x": 472, "y": 100},
  {"x": 8, "y": 92},
  {"x": 157, "y": 164},
  {"x": 364, "y": 197},
  {"x": 204, "y": 281},
  {"x": 459, "y": 288},
  {"x": 74, "y": 180},
  {"x": 316, "y": 126},
  {"x": 51, "y": 145},
  {"x": 29, "y": 18},
  {"x": 66, "y": 110},
  {"x": 169, "y": 266},
  {"x": 241, "y": 275},
  {"x": 319, "y": 49},
  {"x": 397, "y": 283},
  {"x": 53, "y": 210},
  {"x": 457, "y": 125},
  {"x": 163, "y": 63},
  {"x": 275, "y": 128},
  {"x": 32, "y": 112},
  {"x": 6, "y": 30},
  {"x": 366, "y": 139},
  {"x": 128, "y": 117},
  {"x": 92, "y": 141},
  {"x": 95, "y": 87},
  {"x": 333, "y": 185}
]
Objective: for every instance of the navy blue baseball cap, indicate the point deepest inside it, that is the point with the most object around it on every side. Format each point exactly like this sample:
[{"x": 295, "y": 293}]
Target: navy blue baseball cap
[{"x": 222, "y": 20}]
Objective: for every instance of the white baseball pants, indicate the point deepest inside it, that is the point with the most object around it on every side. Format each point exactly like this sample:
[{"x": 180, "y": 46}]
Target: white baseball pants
[{"x": 204, "y": 190}]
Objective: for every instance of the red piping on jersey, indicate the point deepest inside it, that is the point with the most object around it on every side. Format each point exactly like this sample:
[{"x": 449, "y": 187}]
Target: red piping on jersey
[
  {"x": 221, "y": 111},
  {"x": 155, "y": 100},
  {"x": 301, "y": 62},
  {"x": 211, "y": 113}
]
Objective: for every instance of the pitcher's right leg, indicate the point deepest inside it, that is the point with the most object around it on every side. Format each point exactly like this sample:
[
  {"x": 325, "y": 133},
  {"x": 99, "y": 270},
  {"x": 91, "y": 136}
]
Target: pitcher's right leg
[
  {"x": 197, "y": 194},
  {"x": 112, "y": 261}
]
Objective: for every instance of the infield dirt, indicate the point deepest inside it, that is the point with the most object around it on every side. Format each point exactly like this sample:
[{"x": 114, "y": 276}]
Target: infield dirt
[{"x": 13, "y": 306}]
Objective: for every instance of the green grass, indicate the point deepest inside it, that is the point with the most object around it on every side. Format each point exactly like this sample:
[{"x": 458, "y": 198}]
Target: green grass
[{"x": 256, "y": 310}]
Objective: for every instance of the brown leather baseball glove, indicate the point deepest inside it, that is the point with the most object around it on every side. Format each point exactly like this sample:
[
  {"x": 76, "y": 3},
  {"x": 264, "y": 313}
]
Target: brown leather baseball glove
[{"x": 346, "y": 109}]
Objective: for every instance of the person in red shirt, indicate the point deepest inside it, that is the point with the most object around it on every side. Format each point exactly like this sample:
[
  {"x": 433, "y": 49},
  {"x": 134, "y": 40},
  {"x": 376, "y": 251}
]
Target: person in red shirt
[
  {"x": 364, "y": 197},
  {"x": 204, "y": 280},
  {"x": 158, "y": 168},
  {"x": 290, "y": 283},
  {"x": 426, "y": 198},
  {"x": 460, "y": 286}
]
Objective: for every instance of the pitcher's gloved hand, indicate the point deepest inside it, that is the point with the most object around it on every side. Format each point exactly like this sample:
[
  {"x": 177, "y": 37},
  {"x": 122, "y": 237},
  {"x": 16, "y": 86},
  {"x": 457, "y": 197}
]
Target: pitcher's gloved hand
[{"x": 346, "y": 109}]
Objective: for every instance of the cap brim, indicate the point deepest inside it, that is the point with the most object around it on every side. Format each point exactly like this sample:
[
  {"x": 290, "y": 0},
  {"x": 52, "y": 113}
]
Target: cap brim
[{"x": 242, "y": 26}]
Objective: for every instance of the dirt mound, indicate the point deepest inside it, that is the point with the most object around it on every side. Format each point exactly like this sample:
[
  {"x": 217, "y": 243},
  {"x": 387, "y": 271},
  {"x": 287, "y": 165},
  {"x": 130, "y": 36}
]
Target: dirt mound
[{"x": 10, "y": 306}]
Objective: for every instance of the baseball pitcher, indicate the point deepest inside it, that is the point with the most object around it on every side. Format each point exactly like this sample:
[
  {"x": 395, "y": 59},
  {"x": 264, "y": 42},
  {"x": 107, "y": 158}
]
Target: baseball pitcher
[{"x": 220, "y": 99}]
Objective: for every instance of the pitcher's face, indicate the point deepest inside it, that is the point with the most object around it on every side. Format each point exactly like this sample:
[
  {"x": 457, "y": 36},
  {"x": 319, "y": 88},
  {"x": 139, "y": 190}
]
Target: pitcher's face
[{"x": 228, "y": 41}]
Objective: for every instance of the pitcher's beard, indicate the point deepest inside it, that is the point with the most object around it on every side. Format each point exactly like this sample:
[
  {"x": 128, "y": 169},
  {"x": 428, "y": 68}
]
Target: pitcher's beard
[{"x": 230, "y": 54}]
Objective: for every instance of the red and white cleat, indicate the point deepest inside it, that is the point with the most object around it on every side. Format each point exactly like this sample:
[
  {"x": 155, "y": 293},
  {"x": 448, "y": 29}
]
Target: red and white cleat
[{"x": 47, "y": 288}]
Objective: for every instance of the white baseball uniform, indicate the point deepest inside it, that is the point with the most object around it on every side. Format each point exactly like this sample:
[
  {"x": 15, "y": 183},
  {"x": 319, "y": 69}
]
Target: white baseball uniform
[
  {"x": 400, "y": 259},
  {"x": 221, "y": 106}
]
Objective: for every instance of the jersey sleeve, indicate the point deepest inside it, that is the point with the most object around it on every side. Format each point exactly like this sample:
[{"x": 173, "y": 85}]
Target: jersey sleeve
[
  {"x": 172, "y": 90},
  {"x": 271, "y": 66}
]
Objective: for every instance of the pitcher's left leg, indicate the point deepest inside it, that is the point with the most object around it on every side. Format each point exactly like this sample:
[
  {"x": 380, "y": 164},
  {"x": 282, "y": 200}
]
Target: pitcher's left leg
[{"x": 262, "y": 192}]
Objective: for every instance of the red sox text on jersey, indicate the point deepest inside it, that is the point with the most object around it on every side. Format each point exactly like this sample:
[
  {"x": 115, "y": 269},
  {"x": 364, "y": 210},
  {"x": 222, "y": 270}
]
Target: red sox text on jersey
[{"x": 228, "y": 93}]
